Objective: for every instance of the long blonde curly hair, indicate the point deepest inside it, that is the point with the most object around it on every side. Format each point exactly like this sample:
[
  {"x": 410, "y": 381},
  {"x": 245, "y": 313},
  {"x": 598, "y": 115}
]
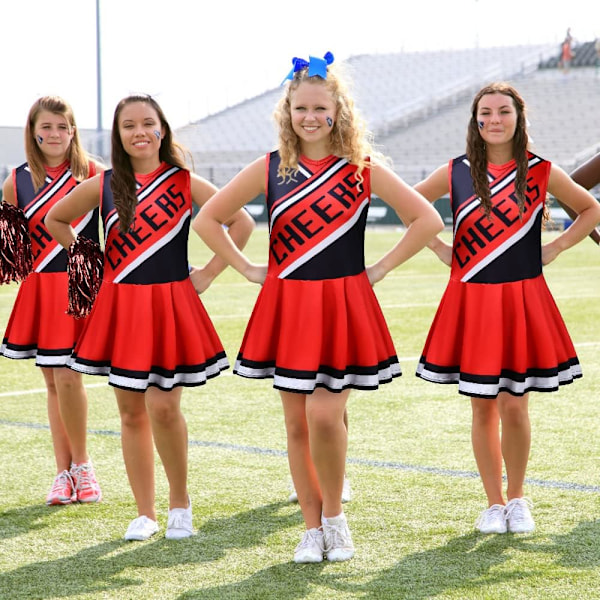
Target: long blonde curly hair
[{"x": 349, "y": 137}]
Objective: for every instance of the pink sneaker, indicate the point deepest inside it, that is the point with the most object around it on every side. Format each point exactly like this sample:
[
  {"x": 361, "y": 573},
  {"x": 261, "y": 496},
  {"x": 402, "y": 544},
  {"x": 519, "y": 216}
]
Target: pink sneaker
[
  {"x": 86, "y": 486},
  {"x": 63, "y": 490}
]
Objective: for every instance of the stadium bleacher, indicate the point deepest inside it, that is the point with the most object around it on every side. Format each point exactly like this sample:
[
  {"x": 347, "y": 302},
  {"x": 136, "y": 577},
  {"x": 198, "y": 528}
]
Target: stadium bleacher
[{"x": 417, "y": 105}]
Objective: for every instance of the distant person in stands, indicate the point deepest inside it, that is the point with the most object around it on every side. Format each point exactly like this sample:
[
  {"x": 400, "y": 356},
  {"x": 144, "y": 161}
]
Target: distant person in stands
[
  {"x": 498, "y": 333},
  {"x": 317, "y": 328},
  {"x": 39, "y": 326},
  {"x": 566, "y": 52},
  {"x": 148, "y": 330}
]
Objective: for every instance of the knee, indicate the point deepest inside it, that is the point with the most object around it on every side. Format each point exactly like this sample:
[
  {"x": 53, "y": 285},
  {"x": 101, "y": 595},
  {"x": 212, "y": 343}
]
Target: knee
[
  {"x": 134, "y": 417},
  {"x": 324, "y": 425},
  {"x": 515, "y": 414},
  {"x": 296, "y": 430},
  {"x": 164, "y": 414},
  {"x": 67, "y": 380}
]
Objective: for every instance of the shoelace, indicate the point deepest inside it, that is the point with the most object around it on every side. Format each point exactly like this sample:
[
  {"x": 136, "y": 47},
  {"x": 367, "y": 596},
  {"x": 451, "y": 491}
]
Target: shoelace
[
  {"x": 498, "y": 511},
  {"x": 83, "y": 480},
  {"x": 514, "y": 510},
  {"x": 61, "y": 480},
  {"x": 308, "y": 539},
  {"x": 177, "y": 519},
  {"x": 336, "y": 536}
]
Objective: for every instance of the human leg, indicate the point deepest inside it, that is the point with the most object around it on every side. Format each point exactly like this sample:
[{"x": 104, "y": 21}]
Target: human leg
[
  {"x": 302, "y": 468},
  {"x": 516, "y": 440},
  {"x": 73, "y": 409},
  {"x": 62, "y": 490},
  {"x": 170, "y": 434},
  {"x": 328, "y": 437},
  {"x": 171, "y": 438},
  {"x": 138, "y": 449},
  {"x": 60, "y": 439},
  {"x": 516, "y": 445},
  {"x": 485, "y": 438}
]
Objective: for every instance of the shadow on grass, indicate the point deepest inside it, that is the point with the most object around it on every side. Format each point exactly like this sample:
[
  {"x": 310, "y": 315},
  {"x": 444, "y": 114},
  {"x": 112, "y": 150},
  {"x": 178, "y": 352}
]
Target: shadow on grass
[
  {"x": 109, "y": 566},
  {"x": 467, "y": 563},
  {"x": 19, "y": 521}
]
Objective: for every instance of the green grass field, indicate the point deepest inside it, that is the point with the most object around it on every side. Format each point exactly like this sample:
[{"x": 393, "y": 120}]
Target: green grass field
[{"x": 416, "y": 490}]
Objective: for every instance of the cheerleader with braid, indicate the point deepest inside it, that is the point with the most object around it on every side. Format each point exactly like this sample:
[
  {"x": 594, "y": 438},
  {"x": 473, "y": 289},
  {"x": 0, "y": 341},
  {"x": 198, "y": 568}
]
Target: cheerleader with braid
[
  {"x": 317, "y": 329},
  {"x": 39, "y": 326},
  {"x": 498, "y": 333},
  {"x": 148, "y": 330}
]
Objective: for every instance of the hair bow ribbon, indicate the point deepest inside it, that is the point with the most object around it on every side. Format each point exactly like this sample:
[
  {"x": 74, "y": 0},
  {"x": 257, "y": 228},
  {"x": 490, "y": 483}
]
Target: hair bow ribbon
[{"x": 316, "y": 66}]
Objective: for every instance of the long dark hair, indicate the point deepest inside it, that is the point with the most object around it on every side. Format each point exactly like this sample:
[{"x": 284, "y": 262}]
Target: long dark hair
[
  {"x": 122, "y": 182},
  {"x": 476, "y": 152}
]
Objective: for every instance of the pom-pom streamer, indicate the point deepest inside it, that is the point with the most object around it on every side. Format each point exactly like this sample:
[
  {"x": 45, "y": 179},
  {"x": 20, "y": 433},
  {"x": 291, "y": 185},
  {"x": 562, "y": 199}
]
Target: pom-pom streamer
[
  {"x": 16, "y": 256},
  {"x": 84, "y": 270}
]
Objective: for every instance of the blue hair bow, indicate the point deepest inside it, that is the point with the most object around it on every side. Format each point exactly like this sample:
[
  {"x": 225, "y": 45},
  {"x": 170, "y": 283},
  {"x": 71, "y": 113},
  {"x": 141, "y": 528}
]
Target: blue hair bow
[{"x": 316, "y": 66}]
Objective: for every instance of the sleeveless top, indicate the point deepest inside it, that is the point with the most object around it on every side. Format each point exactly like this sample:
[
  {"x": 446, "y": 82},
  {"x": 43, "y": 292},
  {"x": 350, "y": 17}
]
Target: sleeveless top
[{"x": 48, "y": 255}]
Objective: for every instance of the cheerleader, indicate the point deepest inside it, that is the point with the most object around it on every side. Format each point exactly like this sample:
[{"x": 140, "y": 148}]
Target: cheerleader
[
  {"x": 148, "y": 330},
  {"x": 39, "y": 327},
  {"x": 498, "y": 333},
  {"x": 317, "y": 328}
]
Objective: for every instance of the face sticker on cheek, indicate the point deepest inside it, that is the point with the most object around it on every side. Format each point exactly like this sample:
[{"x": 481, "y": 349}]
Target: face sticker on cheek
[
  {"x": 329, "y": 121},
  {"x": 40, "y": 139},
  {"x": 480, "y": 123},
  {"x": 157, "y": 134}
]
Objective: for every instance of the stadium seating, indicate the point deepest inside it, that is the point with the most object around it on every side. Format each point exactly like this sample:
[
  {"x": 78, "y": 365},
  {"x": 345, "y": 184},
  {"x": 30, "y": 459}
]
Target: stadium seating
[{"x": 417, "y": 104}]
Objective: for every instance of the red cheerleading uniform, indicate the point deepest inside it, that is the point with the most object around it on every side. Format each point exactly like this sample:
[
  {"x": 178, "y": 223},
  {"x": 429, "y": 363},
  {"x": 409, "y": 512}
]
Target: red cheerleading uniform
[
  {"x": 317, "y": 322},
  {"x": 148, "y": 326},
  {"x": 497, "y": 327},
  {"x": 39, "y": 326}
]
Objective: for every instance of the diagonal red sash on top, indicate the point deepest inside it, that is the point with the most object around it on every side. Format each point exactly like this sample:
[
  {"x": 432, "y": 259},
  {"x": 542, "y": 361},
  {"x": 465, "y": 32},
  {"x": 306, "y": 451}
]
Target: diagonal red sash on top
[
  {"x": 315, "y": 214},
  {"x": 479, "y": 240},
  {"x": 163, "y": 208}
]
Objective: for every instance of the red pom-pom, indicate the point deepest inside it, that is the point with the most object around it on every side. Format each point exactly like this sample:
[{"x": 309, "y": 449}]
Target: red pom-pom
[
  {"x": 84, "y": 270},
  {"x": 16, "y": 257}
]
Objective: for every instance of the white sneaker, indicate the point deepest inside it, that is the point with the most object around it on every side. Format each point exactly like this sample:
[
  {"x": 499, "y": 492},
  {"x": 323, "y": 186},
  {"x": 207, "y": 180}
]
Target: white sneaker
[
  {"x": 179, "y": 523},
  {"x": 518, "y": 515},
  {"x": 310, "y": 549},
  {"x": 141, "y": 529},
  {"x": 293, "y": 497},
  {"x": 337, "y": 539},
  {"x": 492, "y": 520},
  {"x": 346, "y": 490}
]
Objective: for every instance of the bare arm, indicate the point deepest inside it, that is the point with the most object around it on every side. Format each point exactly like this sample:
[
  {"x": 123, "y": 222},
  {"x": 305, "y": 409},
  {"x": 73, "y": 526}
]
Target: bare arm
[
  {"x": 219, "y": 210},
  {"x": 586, "y": 175},
  {"x": 434, "y": 187},
  {"x": 239, "y": 228},
  {"x": 8, "y": 192},
  {"x": 584, "y": 205},
  {"x": 422, "y": 220},
  {"x": 79, "y": 201}
]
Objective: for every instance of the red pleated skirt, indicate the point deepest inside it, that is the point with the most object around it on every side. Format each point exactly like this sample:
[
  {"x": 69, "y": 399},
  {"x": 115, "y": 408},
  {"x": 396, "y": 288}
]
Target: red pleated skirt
[
  {"x": 490, "y": 338},
  {"x": 39, "y": 326},
  {"x": 328, "y": 333},
  {"x": 149, "y": 335}
]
